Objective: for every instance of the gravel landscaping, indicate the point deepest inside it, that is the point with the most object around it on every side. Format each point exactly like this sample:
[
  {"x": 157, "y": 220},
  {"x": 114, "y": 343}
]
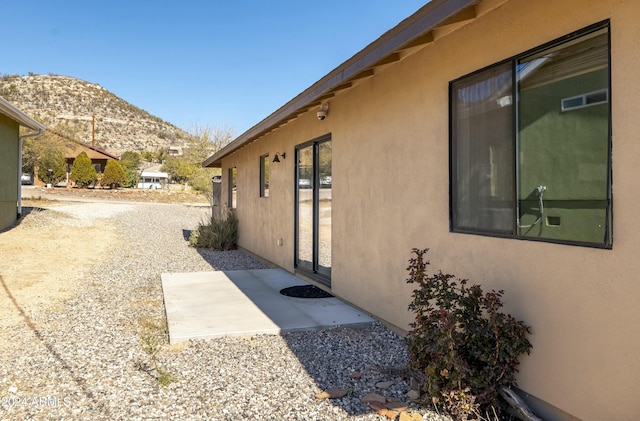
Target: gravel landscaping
[{"x": 103, "y": 354}]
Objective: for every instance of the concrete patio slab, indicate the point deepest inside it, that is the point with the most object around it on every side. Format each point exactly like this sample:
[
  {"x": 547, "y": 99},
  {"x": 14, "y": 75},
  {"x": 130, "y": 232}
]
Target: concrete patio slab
[{"x": 202, "y": 305}]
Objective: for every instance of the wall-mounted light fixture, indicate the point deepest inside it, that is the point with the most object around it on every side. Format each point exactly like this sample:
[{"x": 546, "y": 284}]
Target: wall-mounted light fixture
[
  {"x": 276, "y": 159},
  {"x": 322, "y": 112}
]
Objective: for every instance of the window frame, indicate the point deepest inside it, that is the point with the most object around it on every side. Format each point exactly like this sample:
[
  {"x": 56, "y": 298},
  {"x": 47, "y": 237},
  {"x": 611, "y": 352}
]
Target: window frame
[
  {"x": 314, "y": 270},
  {"x": 264, "y": 175},
  {"x": 454, "y": 149},
  {"x": 232, "y": 185}
]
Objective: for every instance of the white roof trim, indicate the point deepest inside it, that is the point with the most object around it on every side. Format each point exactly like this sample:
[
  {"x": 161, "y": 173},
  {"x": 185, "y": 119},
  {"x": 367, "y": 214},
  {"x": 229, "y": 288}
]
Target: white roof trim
[{"x": 16, "y": 114}]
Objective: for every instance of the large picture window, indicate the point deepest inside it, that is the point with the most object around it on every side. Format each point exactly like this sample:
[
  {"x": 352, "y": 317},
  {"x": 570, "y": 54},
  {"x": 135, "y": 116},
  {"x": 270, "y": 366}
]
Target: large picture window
[{"x": 530, "y": 144}]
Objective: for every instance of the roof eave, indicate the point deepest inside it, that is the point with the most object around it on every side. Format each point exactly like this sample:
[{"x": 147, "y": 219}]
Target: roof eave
[
  {"x": 404, "y": 34},
  {"x": 19, "y": 116}
]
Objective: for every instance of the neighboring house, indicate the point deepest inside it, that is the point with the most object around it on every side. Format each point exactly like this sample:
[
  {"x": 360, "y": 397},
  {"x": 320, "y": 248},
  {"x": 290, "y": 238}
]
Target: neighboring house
[
  {"x": 11, "y": 118},
  {"x": 98, "y": 156},
  {"x": 174, "y": 150},
  {"x": 484, "y": 130}
]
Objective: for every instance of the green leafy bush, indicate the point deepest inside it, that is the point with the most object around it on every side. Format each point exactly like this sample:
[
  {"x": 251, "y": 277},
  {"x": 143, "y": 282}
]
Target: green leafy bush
[
  {"x": 82, "y": 171},
  {"x": 130, "y": 161},
  {"x": 114, "y": 175},
  {"x": 465, "y": 347},
  {"x": 217, "y": 234},
  {"x": 52, "y": 167}
]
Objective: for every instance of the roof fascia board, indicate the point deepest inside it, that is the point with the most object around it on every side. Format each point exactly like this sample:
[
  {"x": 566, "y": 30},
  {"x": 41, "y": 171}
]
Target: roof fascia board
[
  {"x": 415, "y": 27},
  {"x": 80, "y": 144}
]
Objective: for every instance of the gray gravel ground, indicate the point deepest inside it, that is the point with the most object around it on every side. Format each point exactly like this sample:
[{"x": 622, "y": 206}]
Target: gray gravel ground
[{"x": 104, "y": 354}]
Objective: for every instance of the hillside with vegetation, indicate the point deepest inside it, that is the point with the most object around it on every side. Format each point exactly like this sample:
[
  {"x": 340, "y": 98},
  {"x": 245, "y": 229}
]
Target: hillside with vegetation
[{"x": 89, "y": 113}]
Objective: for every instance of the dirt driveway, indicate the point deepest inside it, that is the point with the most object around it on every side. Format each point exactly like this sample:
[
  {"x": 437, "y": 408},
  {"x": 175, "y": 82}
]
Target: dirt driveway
[{"x": 45, "y": 266}]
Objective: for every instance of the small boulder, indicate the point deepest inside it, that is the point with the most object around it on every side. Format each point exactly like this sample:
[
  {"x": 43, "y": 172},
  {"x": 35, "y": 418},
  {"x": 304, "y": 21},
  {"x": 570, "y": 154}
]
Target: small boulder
[
  {"x": 397, "y": 406},
  {"x": 414, "y": 395},
  {"x": 406, "y": 416},
  {"x": 374, "y": 397},
  {"x": 384, "y": 385}
]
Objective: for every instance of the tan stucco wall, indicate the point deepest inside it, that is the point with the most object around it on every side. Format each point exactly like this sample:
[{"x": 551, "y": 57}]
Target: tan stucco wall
[
  {"x": 8, "y": 171},
  {"x": 391, "y": 193}
]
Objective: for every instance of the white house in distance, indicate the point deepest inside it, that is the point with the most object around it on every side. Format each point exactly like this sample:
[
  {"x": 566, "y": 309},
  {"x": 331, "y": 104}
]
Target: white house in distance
[
  {"x": 153, "y": 180},
  {"x": 501, "y": 134}
]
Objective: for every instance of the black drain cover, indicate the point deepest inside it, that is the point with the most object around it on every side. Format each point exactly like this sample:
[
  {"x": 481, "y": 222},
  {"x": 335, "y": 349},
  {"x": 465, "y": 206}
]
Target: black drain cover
[{"x": 305, "y": 291}]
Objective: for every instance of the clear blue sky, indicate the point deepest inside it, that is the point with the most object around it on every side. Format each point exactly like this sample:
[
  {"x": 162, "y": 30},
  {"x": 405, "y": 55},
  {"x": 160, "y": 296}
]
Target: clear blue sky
[{"x": 215, "y": 63}]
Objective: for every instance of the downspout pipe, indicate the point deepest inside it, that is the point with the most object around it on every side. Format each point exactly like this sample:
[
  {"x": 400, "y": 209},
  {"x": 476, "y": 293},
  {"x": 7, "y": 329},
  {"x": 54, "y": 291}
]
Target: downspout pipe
[{"x": 20, "y": 141}]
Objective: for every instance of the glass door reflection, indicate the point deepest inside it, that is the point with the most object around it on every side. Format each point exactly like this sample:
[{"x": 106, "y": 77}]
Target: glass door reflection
[{"x": 313, "y": 207}]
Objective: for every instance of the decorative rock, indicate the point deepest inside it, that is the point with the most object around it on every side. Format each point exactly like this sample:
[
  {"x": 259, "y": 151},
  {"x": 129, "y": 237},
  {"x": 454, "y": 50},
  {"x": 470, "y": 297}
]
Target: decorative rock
[
  {"x": 381, "y": 409},
  {"x": 391, "y": 414},
  {"x": 397, "y": 406},
  {"x": 323, "y": 395},
  {"x": 356, "y": 375},
  {"x": 213, "y": 379},
  {"x": 374, "y": 397},
  {"x": 384, "y": 385},
  {"x": 414, "y": 384},
  {"x": 377, "y": 406},
  {"x": 333, "y": 394},
  {"x": 414, "y": 395},
  {"x": 405, "y": 416}
]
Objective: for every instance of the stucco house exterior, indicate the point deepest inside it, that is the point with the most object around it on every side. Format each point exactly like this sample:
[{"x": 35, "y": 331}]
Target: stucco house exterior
[
  {"x": 11, "y": 118},
  {"x": 501, "y": 134}
]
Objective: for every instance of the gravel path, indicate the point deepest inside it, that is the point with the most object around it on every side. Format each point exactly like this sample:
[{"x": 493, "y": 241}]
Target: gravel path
[{"x": 104, "y": 354}]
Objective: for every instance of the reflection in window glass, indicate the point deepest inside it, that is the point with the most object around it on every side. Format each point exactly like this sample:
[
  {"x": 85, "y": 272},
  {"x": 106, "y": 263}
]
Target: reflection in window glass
[
  {"x": 537, "y": 167},
  {"x": 324, "y": 207},
  {"x": 305, "y": 208},
  {"x": 264, "y": 175},
  {"x": 232, "y": 183},
  {"x": 314, "y": 205}
]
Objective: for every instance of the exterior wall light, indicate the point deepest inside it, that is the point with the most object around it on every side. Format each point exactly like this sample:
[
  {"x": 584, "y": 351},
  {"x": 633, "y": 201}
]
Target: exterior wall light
[
  {"x": 276, "y": 159},
  {"x": 322, "y": 112}
]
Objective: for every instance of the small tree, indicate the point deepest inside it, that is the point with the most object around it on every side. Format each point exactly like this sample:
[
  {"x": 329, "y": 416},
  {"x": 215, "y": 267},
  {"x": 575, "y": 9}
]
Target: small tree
[
  {"x": 130, "y": 162},
  {"x": 82, "y": 171},
  {"x": 114, "y": 175},
  {"x": 130, "y": 159},
  {"x": 179, "y": 169},
  {"x": 188, "y": 167},
  {"x": 52, "y": 167}
]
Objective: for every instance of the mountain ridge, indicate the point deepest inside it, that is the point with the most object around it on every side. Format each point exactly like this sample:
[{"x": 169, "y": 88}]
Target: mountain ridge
[{"x": 89, "y": 113}]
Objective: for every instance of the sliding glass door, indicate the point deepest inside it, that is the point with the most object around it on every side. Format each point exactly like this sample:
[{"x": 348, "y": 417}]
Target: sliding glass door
[{"x": 313, "y": 208}]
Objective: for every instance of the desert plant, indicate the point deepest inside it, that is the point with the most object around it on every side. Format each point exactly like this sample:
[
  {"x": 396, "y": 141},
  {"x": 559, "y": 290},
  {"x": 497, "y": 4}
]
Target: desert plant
[
  {"x": 465, "y": 347},
  {"x": 150, "y": 332},
  {"x": 82, "y": 171},
  {"x": 217, "y": 234},
  {"x": 114, "y": 175}
]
